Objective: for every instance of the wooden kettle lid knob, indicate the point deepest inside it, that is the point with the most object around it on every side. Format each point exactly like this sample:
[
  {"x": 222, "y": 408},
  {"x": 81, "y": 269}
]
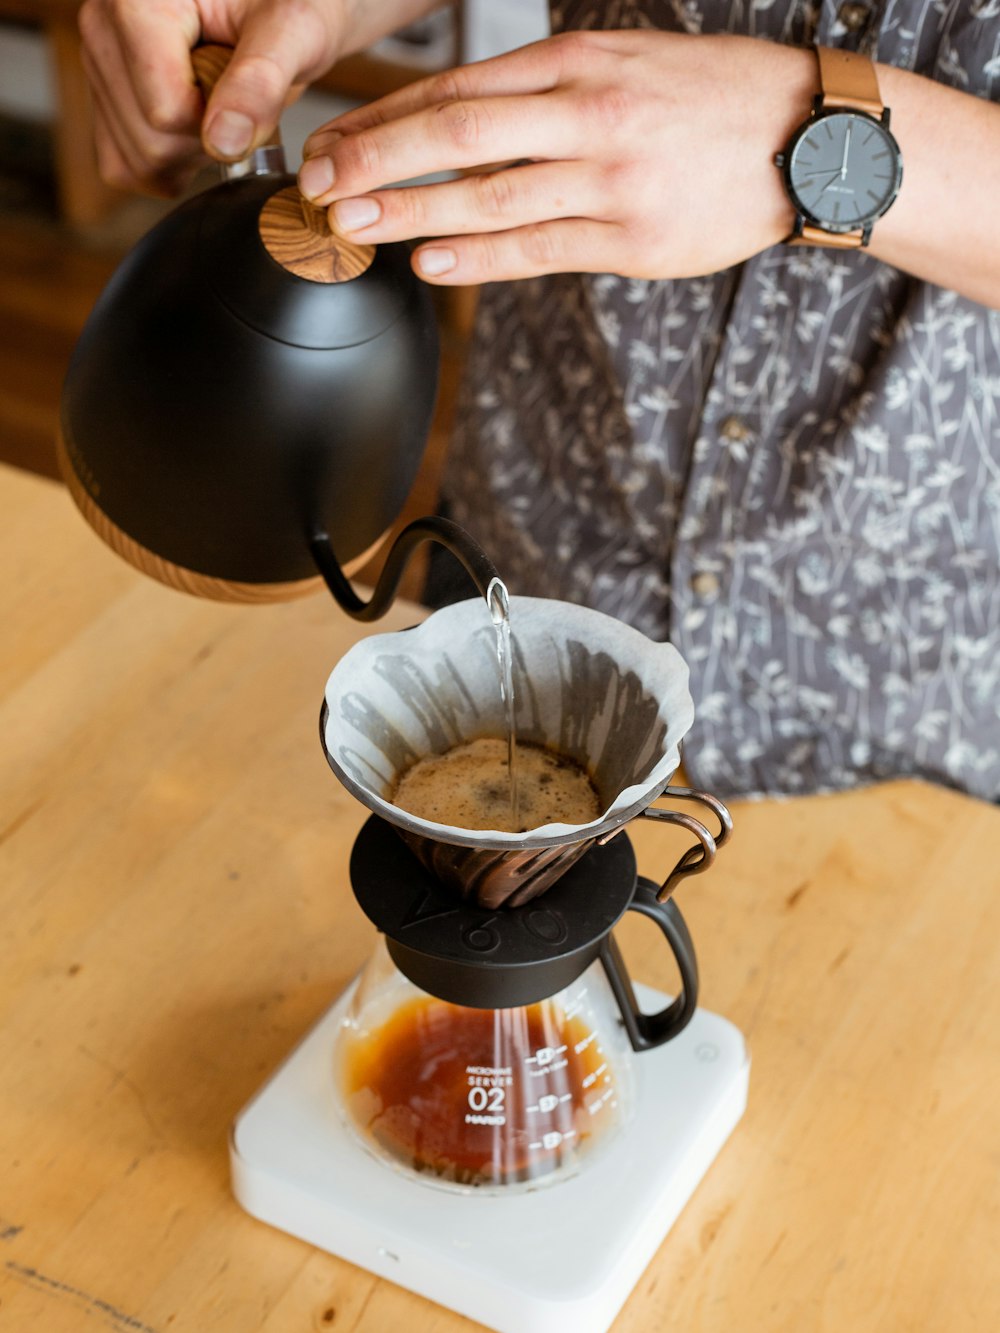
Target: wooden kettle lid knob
[{"x": 298, "y": 236}]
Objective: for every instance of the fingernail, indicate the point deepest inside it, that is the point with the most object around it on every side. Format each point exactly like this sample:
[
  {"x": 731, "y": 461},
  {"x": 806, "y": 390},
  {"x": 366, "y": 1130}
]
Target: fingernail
[
  {"x": 230, "y": 133},
  {"x": 316, "y": 177},
  {"x": 353, "y": 214},
  {"x": 433, "y": 262}
]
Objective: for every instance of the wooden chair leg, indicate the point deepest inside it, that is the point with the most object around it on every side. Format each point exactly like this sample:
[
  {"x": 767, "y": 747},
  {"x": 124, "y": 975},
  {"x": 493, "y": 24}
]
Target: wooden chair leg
[
  {"x": 84, "y": 198},
  {"x": 460, "y": 310}
]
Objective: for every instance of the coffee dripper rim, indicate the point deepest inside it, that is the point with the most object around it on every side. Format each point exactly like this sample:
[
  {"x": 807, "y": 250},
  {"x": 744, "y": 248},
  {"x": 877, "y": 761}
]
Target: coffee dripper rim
[
  {"x": 625, "y": 806},
  {"x": 495, "y": 839}
]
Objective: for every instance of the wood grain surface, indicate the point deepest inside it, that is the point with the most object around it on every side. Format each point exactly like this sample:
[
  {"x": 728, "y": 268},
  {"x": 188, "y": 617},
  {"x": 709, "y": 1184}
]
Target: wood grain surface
[
  {"x": 165, "y": 571},
  {"x": 176, "y": 914},
  {"x": 298, "y": 236},
  {"x": 209, "y": 63},
  {"x": 48, "y": 284}
]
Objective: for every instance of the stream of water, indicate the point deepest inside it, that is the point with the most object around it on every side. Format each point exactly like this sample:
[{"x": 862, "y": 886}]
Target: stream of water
[{"x": 499, "y": 606}]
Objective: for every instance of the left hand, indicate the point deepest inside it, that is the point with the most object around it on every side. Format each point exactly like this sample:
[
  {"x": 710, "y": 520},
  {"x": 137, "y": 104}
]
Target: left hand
[{"x": 642, "y": 153}]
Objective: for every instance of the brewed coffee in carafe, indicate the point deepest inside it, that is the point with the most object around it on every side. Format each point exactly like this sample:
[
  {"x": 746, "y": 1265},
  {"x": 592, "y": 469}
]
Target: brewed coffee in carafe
[{"x": 482, "y": 1097}]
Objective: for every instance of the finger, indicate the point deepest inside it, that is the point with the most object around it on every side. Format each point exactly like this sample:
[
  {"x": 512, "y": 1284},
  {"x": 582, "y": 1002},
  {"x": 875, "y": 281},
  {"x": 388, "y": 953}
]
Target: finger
[
  {"x": 152, "y": 161},
  {"x": 278, "y": 51},
  {"x": 576, "y": 245},
  {"x": 492, "y": 201},
  {"x": 113, "y": 168},
  {"x": 156, "y": 42},
  {"x": 443, "y": 138},
  {"x": 530, "y": 69},
  {"x": 143, "y": 160}
]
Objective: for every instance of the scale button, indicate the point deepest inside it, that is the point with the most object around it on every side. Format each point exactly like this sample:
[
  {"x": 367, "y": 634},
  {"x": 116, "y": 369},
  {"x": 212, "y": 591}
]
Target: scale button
[{"x": 706, "y": 1052}]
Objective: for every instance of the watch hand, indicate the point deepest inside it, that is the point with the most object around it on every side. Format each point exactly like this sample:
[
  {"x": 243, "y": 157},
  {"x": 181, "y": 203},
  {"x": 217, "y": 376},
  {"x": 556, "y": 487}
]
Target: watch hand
[{"x": 847, "y": 149}]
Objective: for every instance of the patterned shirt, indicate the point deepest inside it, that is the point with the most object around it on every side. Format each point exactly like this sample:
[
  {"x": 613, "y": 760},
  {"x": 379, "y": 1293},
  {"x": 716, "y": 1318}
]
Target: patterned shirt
[{"x": 791, "y": 469}]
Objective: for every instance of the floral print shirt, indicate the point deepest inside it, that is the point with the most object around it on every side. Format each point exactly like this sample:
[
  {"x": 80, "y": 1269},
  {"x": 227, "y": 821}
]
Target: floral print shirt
[{"x": 791, "y": 469}]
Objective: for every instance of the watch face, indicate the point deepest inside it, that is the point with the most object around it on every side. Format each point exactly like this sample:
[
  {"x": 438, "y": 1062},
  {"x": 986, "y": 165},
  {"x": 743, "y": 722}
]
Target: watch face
[{"x": 843, "y": 170}]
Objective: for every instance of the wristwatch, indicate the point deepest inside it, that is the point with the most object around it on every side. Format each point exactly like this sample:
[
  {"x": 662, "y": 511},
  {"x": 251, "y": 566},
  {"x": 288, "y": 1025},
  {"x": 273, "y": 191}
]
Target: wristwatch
[{"x": 842, "y": 168}]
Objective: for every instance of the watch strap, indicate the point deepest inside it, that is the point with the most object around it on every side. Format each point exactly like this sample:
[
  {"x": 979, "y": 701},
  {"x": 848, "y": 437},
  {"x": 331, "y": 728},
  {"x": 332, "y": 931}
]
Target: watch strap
[
  {"x": 847, "y": 80},
  {"x": 838, "y": 240}
]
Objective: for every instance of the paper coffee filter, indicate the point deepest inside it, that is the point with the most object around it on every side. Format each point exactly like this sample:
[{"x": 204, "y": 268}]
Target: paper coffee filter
[{"x": 584, "y": 684}]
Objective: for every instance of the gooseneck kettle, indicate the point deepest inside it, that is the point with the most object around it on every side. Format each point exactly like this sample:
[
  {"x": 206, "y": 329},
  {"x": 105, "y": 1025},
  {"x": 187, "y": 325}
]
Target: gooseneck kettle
[{"x": 248, "y": 404}]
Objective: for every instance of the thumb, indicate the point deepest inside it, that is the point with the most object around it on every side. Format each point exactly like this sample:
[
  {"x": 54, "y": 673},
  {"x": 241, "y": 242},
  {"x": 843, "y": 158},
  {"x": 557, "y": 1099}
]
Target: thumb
[{"x": 280, "y": 46}]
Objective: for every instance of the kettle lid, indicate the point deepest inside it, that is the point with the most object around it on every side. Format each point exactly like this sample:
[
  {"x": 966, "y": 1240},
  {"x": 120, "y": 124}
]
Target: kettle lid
[{"x": 292, "y": 279}]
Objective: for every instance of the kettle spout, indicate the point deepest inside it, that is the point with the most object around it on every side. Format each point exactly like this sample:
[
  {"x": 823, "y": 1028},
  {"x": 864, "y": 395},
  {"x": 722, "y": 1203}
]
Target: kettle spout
[{"x": 451, "y": 536}]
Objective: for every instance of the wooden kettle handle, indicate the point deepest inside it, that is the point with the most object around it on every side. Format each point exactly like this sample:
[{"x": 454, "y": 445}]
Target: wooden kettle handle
[{"x": 209, "y": 63}]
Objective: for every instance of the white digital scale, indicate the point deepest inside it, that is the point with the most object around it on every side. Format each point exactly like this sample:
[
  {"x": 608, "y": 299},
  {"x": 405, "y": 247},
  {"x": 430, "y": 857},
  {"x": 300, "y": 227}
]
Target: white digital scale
[{"x": 561, "y": 1259}]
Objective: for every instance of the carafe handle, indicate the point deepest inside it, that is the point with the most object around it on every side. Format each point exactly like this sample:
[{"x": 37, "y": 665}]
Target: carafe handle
[{"x": 648, "y": 1030}]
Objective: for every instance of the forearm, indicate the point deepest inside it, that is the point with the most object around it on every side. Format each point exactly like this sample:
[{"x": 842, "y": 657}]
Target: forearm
[
  {"x": 943, "y": 225},
  {"x": 647, "y": 154}
]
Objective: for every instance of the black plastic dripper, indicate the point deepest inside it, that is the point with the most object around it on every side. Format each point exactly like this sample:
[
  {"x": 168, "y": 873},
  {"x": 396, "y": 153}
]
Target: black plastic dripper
[{"x": 467, "y": 954}]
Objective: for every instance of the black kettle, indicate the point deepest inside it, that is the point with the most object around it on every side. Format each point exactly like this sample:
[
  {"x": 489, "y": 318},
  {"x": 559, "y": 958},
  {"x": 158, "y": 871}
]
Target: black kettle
[{"x": 248, "y": 404}]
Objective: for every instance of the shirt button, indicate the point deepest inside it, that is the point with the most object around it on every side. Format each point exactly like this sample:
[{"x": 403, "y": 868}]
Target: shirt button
[
  {"x": 704, "y": 584},
  {"x": 853, "y": 16},
  {"x": 734, "y": 428}
]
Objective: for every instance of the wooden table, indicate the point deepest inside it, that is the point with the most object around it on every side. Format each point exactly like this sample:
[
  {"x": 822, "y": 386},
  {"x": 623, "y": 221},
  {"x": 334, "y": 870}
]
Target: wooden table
[{"x": 173, "y": 867}]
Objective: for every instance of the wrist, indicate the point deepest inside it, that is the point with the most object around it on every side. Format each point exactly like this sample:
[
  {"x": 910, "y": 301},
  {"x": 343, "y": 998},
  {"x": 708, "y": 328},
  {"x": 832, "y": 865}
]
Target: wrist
[
  {"x": 789, "y": 83},
  {"x": 901, "y": 93}
]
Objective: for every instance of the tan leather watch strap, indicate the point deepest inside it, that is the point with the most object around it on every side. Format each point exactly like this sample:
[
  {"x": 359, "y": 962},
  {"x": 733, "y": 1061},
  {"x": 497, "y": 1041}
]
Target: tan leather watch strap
[
  {"x": 838, "y": 240},
  {"x": 848, "y": 80}
]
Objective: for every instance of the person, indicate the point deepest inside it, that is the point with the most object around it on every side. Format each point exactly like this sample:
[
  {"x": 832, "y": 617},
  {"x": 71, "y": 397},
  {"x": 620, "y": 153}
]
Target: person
[{"x": 783, "y": 457}]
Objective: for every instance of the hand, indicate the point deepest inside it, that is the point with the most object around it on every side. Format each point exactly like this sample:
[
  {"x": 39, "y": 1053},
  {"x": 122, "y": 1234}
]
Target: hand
[
  {"x": 149, "y": 114},
  {"x": 641, "y": 153}
]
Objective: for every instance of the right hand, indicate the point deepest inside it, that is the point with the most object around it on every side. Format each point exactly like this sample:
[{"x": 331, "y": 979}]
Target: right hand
[{"x": 152, "y": 127}]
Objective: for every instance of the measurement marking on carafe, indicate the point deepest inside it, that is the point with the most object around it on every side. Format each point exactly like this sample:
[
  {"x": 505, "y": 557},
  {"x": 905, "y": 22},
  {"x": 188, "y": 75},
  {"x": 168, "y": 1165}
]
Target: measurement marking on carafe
[
  {"x": 545, "y": 1055},
  {"x": 582, "y": 1045},
  {"x": 591, "y": 1079},
  {"x": 602, "y": 1101},
  {"x": 549, "y": 1103},
  {"x": 545, "y": 1070},
  {"x": 553, "y": 1139}
]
